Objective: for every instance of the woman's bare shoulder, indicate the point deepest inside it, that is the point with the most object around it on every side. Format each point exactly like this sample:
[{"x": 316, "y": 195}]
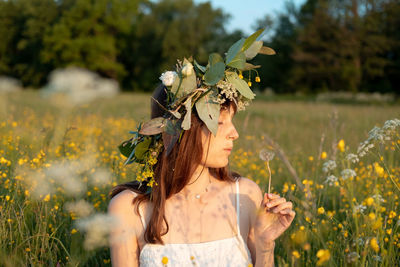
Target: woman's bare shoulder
[
  {"x": 251, "y": 189},
  {"x": 121, "y": 205}
]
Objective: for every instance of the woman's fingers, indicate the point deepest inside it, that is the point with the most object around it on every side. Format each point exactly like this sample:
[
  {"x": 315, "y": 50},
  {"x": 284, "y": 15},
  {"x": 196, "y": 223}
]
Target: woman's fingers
[
  {"x": 281, "y": 207},
  {"x": 275, "y": 202}
]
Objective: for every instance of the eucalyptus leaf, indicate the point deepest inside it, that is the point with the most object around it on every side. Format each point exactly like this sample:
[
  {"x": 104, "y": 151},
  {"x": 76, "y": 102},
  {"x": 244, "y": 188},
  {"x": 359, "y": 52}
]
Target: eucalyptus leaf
[
  {"x": 188, "y": 85},
  {"x": 253, "y": 50},
  {"x": 176, "y": 84},
  {"x": 265, "y": 50},
  {"x": 239, "y": 61},
  {"x": 214, "y": 58},
  {"x": 208, "y": 110},
  {"x": 233, "y": 50},
  {"x": 199, "y": 67},
  {"x": 171, "y": 135},
  {"x": 187, "y": 119},
  {"x": 215, "y": 73},
  {"x": 175, "y": 113},
  {"x": 249, "y": 41},
  {"x": 250, "y": 66},
  {"x": 152, "y": 127},
  {"x": 142, "y": 148},
  {"x": 240, "y": 85}
]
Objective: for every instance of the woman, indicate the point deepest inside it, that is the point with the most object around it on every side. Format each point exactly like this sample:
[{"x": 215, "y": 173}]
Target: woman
[{"x": 188, "y": 209}]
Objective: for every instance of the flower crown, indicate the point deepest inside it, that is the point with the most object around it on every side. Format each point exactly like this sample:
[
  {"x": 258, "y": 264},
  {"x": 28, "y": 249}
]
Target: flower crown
[{"x": 202, "y": 87}]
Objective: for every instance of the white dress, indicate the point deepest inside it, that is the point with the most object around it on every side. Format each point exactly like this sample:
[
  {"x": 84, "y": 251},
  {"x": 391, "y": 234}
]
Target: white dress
[{"x": 231, "y": 251}]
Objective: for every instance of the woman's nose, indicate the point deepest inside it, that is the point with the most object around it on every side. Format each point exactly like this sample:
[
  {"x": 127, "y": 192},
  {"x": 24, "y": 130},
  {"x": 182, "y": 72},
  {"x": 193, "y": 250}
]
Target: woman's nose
[{"x": 233, "y": 134}]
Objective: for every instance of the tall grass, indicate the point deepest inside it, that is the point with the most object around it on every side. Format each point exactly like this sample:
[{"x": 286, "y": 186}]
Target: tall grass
[{"x": 346, "y": 220}]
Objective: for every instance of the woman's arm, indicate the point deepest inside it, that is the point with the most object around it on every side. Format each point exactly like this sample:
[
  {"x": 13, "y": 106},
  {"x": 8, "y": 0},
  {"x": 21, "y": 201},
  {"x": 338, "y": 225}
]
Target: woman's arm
[
  {"x": 123, "y": 241},
  {"x": 261, "y": 255}
]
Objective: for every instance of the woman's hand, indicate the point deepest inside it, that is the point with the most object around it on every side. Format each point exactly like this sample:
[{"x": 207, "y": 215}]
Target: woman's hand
[{"x": 274, "y": 216}]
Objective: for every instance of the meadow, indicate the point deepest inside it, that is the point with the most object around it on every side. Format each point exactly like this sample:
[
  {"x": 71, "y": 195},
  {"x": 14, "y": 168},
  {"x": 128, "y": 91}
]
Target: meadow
[{"x": 59, "y": 162}]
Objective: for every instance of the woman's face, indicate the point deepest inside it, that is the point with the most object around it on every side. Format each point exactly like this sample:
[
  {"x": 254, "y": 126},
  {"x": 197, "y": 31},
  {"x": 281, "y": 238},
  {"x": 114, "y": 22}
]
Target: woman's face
[{"x": 220, "y": 145}]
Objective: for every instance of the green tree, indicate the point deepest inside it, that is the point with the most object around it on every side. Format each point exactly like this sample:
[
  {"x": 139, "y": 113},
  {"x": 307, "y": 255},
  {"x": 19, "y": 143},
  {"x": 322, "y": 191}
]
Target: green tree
[
  {"x": 87, "y": 35},
  {"x": 22, "y": 25},
  {"x": 170, "y": 30}
]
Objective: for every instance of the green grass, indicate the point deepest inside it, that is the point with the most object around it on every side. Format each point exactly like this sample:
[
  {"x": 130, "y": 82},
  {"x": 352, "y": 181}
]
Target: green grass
[{"x": 35, "y": 132}]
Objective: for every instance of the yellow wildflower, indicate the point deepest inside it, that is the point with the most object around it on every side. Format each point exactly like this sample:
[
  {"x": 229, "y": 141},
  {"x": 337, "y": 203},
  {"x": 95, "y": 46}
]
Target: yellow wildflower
[
  {"x": 310, "y": 158},
  {"x": 323, "y": 256},
  {"x": 374, "y": 244},
  {"x": 341, "y": 145},
  {"x": 249, "y": 83},
  {"x": 296, "y": 254},
  {"x": 369, "y": 201},
  {"x": 258, "y": 79},
  {"x": 372, "y": 216},
  {"x": 73, "y": 231},
  {"x": 323, "y": 155},
  {"x": 321, "y": 210},
  {"x": 164, "y": 260},
  {"x": 46, "y": 198}
]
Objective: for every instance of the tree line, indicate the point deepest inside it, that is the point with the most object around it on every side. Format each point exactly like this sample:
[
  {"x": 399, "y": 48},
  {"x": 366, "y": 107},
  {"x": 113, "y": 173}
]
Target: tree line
[{"x": 323, "y": 45}]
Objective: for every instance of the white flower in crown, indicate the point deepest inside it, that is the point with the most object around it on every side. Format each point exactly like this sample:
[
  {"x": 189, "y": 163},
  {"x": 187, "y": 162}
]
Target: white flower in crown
[
  {"x": 168, "y": 77},
  {"x": 187, "y": 69}
]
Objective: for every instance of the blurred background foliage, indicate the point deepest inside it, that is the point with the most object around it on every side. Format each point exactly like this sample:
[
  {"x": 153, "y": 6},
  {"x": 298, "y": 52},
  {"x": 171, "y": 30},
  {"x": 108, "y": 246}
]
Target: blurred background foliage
[{"x": 322, "y": 46}]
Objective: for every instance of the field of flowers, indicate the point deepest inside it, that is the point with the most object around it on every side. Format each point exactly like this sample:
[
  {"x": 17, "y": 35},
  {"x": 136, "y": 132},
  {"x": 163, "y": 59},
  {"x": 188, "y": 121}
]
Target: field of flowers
[{"x": 338, "y": 164}]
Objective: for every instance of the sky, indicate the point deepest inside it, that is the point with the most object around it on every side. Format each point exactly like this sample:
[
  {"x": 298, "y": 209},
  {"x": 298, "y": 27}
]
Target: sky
[{"x": 244, "y": 13}]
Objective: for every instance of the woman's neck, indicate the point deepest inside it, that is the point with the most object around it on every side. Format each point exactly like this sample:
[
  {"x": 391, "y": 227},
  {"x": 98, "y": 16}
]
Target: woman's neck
[{"x": 201, "y": 180}]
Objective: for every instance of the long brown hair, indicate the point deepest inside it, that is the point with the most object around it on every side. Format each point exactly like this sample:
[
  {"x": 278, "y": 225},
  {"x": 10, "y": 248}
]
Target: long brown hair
[{"x": 171, "y": 172}]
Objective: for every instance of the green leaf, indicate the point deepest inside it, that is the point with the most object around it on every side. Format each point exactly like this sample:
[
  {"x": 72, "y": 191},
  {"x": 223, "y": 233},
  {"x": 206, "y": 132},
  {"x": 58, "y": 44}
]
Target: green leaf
[
  {"x": 154, "y": 126},
  {"x": 142, "y": 148},
  {"x": 250, "y": 66},
  {"x": 208, "y": 110},
  {"x": 240, "y": 85},
  {"x": 214, "y": 58},
  {"x": 265, "y": 50},
  {"x": 188, "y": 85},
  {"x": 126, "y": 147},
  {"x": 187, "y": 119},
  {"x": 239, "y": 61},
  {"x": 199, "y": 67},
  {"x": 233, "y": 50},
  {"x": 253, "y": 50},
  {"x": 171, "y": 135},
  {"x": 176, "y": 85},
  {"x": 249, "y": 41},
  {"x": 215, "y": 73}
]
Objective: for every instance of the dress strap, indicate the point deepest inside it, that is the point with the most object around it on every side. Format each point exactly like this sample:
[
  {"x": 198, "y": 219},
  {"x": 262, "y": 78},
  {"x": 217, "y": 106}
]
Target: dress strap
[
  {"x": 140, "y": 213},
  {"x": 237, "y": 206}
]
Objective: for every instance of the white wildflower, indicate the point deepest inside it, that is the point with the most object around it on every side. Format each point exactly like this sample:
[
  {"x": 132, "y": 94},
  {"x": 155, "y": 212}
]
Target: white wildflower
[
  {"x": 168, "y": 77},
  {"x": 187, "y": 69},
  {"x": 359, "y": 208},
  {"x": 377, "y": 258},
  {"x": 352, "y": 158},
  {"x": 359, "y": 241},
  {"x": 352, "y": 257},
  {"x": 97, "y": 229},
  {"x": 81, "y": 208},
  {"x": 348, "y": 173},
  {"x": 329, "y": 166},
  {"x": 378, "y": 198},
  {"x": 331, "y": 180}
]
